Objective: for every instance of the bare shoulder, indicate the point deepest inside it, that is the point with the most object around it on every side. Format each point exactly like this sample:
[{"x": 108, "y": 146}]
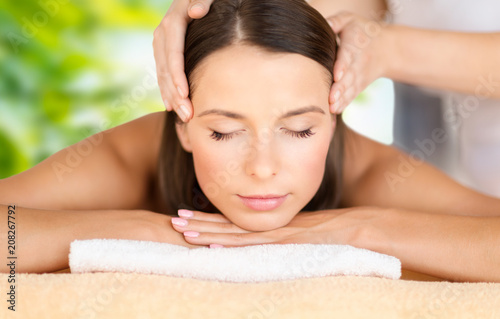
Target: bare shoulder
[
  {"x": 360, "y": 157},
  {"x": 108, "y": 170},
  {"x": 138, "y": 141},
  {"x": 380, "y": 175}
]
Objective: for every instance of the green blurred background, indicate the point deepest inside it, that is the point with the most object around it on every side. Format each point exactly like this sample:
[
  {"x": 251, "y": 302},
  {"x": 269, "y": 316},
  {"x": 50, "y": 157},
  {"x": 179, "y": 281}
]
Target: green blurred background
[{"x": 70, "y": 69}]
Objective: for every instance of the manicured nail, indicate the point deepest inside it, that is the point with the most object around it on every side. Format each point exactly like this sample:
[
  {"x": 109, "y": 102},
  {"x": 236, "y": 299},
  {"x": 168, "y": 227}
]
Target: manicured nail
[
  {"x": 180, "y": 91},
  {"x": 185, "y": 213},
  {"x": 330, "y": 23},
  {"x": 216, "y": 246},
  {"x": 191, "y": 233},
  {"x": 179, "y": 221},
  {"x": 184, "y": 112}
]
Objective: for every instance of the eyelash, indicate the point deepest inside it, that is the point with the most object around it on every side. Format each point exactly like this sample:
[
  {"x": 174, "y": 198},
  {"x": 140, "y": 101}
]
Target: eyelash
[{"x": 223, "y": 136}]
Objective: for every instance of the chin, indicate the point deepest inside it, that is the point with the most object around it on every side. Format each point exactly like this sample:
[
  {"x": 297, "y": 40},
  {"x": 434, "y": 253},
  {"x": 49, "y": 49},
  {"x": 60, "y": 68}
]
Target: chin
[{"x": 260, "y": 221}]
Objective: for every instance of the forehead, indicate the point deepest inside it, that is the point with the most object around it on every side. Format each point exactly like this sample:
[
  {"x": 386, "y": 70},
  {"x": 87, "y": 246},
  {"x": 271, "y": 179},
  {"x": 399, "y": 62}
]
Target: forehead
[{"x": 252, "y": 76}]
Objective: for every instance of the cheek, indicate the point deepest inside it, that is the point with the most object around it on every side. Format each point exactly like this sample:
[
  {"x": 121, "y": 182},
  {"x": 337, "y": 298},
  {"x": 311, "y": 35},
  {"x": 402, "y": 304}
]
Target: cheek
[
  {"x": 208, "y": 164},
  {"x": 215, "y": 166},
  {"x": 308, "y": 164}
]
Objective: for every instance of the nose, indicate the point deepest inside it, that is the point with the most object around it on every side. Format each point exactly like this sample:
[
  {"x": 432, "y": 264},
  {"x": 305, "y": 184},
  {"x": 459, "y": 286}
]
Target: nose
[{"x": 263, "y": 160}]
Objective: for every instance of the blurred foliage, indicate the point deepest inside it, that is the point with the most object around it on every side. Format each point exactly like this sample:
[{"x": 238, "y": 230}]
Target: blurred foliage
[{"x": 69, "y": 69}]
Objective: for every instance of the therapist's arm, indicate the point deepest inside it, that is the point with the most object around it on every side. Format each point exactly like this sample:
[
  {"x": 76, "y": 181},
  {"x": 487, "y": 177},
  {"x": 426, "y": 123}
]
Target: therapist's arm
[
  {"x": 370, "y": 9},
  {"x": 456, "y": 61},
  {"x": 463, "y": 62}
]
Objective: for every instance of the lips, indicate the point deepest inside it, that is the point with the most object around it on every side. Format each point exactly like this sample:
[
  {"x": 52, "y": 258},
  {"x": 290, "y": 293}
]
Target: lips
[{"x": 263, "y": 202}]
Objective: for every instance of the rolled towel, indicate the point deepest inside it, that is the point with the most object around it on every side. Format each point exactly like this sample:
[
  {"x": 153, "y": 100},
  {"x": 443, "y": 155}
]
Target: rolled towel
[{"x": 258, "y": 263}]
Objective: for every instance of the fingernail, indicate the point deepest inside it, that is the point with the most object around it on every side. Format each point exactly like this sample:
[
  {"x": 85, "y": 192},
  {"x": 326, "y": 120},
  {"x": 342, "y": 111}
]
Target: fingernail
[
  {"x": 216, "y": 246},
  {"x": 185, "y": 213},
  {"x": 180, "y": 91},
  {"x": 330, "y": 23},
  {"x": 184, "y": 112},
  {"x": 333, "y": 107},
  {"x": 165, "y": 102},
  {"x": 191, "y": 234},
  {"x": 341, "y": 74},
  {"x": 336, "y": 106},
  {"x": 336, "y": 95},
  {"x": 179, "y": 221},
  {"x": 197, "y": 6}
]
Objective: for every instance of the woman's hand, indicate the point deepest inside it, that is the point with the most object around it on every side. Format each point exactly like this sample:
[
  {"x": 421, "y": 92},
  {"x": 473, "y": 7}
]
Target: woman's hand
[
  {"x": 168, "y": 45},
  {"x": 361, "y": 59},
  {"x": 336, "y": 226},
  {"x": 150, "y": 226}
]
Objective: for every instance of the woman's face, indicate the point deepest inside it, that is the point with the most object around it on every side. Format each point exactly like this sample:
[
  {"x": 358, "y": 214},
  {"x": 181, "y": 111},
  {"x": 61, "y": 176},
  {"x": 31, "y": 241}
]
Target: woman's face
[{"x": 260, "y": 133}]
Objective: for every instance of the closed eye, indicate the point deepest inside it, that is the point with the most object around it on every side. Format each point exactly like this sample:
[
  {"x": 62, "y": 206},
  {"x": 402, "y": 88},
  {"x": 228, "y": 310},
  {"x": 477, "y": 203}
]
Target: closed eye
[{"x": 227, "y": 136}]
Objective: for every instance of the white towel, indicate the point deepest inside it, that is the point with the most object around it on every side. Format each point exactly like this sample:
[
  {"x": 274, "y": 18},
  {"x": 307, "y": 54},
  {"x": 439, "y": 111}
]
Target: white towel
[{"x": 258, "y": 263}]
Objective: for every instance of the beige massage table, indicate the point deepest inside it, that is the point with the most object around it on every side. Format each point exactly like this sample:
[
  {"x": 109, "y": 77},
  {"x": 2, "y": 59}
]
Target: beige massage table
[{"x": 119, "y": 295}]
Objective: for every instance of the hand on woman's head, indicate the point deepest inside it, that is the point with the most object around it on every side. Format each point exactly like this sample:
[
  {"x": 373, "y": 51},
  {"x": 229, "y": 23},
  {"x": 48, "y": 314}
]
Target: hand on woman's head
[
  {"x": 168, "y": 46},
  {"x": 361, "y": 59}
]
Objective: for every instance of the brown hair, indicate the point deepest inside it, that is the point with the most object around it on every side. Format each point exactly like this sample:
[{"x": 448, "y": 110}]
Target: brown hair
[{"x": 290, "y": 26}]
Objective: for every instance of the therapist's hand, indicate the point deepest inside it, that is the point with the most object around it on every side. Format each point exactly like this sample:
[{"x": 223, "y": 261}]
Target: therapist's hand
[
  {"x": 362, "y": 57},
  {"x": 334, "y": 226},
  {"x": 168, "y": 45}
]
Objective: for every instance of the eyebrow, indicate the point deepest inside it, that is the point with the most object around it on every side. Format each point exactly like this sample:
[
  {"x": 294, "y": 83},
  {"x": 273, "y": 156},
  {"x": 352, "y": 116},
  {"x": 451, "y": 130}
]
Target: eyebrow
[{"x": 299, "y": 111}]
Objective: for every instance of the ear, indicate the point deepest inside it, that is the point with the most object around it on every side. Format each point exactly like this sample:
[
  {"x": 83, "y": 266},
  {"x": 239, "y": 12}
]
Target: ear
[{"x": 182, "y": 134}]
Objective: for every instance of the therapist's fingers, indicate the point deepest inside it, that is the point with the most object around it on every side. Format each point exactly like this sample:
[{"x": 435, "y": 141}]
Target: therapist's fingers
[
  {"x": 340, "y": 20},
  {"x": 342, "y": 93},
  {"x": 342, "y": 73},
  {"x": 340, "y": 23},
  {"x": 199, "y": 8},
  {"x": 168, "y": 47}
]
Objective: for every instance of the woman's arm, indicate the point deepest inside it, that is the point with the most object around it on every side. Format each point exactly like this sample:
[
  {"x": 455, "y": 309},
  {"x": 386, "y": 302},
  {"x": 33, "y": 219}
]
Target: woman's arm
[
  {"x": 430, "y": 222},
  {"x": 379, "y": 175},
  {"x": 457, "y": 248},
  {"x": 42, "y": 237},
  {"x": 97, "y": 188},
  {"x": 112, "y": 169}
]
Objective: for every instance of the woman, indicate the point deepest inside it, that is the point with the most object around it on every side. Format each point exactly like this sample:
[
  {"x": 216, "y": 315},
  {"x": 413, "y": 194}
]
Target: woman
[
  {"x": 442, "y": 55},
  {"x": 263, "y": 149}
]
